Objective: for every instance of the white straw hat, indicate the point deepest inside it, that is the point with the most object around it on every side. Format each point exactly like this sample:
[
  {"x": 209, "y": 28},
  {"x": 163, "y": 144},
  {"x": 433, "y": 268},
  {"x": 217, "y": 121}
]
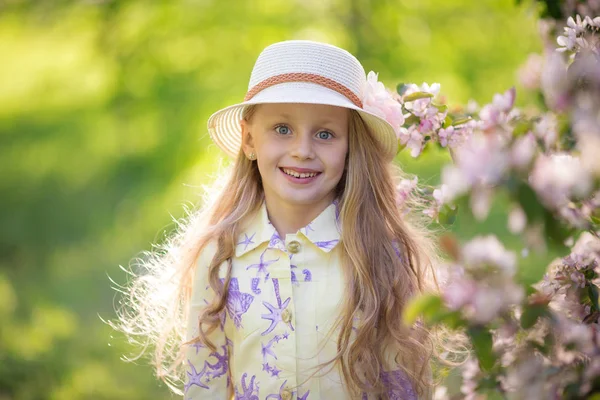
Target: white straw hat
[{"x": 302, "y": 71}]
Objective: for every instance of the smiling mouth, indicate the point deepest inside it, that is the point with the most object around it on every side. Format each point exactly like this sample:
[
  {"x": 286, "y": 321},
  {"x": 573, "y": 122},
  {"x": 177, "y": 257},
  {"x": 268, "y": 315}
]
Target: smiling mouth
[{"x": 301, "y": 175}]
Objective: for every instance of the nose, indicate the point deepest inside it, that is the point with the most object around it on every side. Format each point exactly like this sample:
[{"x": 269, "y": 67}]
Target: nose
[{"x": 302, "y": 146}]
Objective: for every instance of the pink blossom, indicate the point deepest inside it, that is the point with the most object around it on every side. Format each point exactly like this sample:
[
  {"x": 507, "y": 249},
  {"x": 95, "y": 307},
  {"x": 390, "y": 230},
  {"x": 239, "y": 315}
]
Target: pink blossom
[
  {"x": 522, "y": 151},
  {"x": 454, "y": 182},
  {"x": 481, "y": 201},
  {"x": 404, "y": 189},
  {"x": 459, "y": 292},
  {"x": 530, "y": 73},
  {"x": 546, "y": 129},
  {"x": 470, "y": 372},
  {"x": 422, "y": 108},
  {"x": 412, "y": 139},
  {"x": 485, "y": 251},
  {"x": 559, "y": 177},
  {"x": 517, "y": 220},
  {"x": 490, "y": 301},
  {"x": 496, "y": 113},
  {"x": 555, "y": 83},
  {"x": 379, "y": 101},
  {"x": 482, "y": 159}
]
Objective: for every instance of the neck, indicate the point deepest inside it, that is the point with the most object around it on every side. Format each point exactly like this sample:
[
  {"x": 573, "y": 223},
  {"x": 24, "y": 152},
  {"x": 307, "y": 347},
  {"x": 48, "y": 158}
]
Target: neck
[{"x": 289, "y": 218}]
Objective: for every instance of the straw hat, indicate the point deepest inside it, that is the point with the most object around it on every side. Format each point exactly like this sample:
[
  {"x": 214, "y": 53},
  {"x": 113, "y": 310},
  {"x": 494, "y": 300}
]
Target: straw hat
[{"x": 301, "y": 71}]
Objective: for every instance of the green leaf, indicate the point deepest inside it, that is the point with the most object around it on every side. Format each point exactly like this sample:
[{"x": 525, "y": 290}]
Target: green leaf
[
  {"x": 529, "y": 202},
  {"x": 482, "y": 344},
  {"x": 593, "y": 293},
  {"x": 401, "y": 88},
  {"x": 441, "y": 107},
  {"x": 460, "y": 121},
  {"x": 447, "y": 121},
  {"x": 428, "y": 305},
  {"x": 531, "y": 314},
  {"x": 412, "y": 120},
  {"x": 522, "y": 127},
  {"x": 417, "y": 95},
  {"x": 556, "y": 231},
  {"x": 447, "y": 215}
]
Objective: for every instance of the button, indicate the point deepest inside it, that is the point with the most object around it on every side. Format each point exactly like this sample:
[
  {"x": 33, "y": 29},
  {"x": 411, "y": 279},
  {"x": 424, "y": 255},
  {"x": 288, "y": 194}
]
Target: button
[
  {"x": 286, "y": 316},
  {"x": 286, "y": 394},
  {"x": 293, "y": 246}
]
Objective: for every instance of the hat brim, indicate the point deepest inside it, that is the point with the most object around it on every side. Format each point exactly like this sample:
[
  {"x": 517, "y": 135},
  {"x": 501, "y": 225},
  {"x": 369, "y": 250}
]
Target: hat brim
[{"x": 225, "y": 130}]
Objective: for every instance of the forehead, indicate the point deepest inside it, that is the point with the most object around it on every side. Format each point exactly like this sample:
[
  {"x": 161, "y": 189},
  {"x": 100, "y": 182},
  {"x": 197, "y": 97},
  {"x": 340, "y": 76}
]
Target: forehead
[{"x": 300, "y": 111}]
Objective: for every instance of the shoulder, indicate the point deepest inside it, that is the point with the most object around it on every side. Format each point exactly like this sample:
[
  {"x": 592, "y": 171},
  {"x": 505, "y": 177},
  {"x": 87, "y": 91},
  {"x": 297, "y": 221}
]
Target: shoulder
[{"x": 203, "y": 261}]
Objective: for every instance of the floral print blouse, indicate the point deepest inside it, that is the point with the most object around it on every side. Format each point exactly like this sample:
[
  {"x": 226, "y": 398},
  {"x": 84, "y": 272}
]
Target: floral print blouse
[{"x": 284, "y": 297}]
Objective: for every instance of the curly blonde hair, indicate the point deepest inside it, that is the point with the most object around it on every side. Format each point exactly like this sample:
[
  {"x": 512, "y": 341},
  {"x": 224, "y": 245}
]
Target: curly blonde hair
[{"x": 153, "y": 311}]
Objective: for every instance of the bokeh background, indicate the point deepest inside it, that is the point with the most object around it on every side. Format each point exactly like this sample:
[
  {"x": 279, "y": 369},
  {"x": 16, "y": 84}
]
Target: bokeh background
[{"x": 103, "y": 109}]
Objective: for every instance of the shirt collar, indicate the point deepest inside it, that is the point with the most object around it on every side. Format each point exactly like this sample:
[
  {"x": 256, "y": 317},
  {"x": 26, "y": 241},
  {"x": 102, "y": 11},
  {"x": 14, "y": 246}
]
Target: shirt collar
[{"x": 324, "y": 231}]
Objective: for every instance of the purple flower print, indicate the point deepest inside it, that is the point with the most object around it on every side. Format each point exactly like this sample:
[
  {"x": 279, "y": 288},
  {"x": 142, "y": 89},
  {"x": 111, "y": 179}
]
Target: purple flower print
[
  {"x": 307, "y": 275},
  {"x": 305, "y": 396},
  {"x": 308, "y": 228},
  {"x": 247, "y": 240},
  {"x": 274, "y": 314},
  {"x": 267, "y": 350},
  {"x": 285, "y": 335},
  {"x": 249, "y": 392},
  {"x": 195, "y": 377},
  {"x": 337, "y": 210},
  {"x": 277, "y": 396},
  {"x": 294, "y": 279},
  {"x": 261, "y": 267},
  {"x": 275, "y": 372},
  {"x": 197, "y": 345},
  {"x": 221, "y": 366},
  {"x": 275, "y": 241},
  {"x": 327, "y": 244},
  {"x": 237, "y": 302},
  {"x": 254, "y": 286},
  {"x": 398, "y": 385},
  {"x": 306, "y": 272}
]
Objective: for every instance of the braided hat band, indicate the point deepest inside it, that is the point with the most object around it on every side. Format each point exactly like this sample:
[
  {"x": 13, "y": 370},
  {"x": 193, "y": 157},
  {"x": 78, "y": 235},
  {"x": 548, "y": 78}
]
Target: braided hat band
[
  {"x": 307, "y": 72},
  {"x": 305, "y": 77}
]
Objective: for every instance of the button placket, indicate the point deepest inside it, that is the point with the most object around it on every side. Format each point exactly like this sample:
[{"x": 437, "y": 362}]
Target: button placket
[{"x": 293, "y": 246}]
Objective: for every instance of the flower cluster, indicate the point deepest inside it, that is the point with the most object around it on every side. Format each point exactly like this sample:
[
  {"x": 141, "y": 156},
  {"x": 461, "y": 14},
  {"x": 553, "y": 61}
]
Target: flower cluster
[{"x": 534, "y": 331}]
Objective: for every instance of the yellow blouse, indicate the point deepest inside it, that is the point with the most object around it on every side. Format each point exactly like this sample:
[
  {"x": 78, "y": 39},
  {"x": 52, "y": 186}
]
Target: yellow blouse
[{"x": 284, "y": 297}]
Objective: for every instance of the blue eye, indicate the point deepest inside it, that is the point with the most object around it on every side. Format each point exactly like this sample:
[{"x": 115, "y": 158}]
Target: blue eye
[
  {"x": 324, "y": 135},
  {"x": 282, "y": 129}
]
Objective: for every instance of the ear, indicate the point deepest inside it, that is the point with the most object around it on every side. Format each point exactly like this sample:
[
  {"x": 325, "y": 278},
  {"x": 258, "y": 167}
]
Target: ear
[{"x": 247, "y": 138}]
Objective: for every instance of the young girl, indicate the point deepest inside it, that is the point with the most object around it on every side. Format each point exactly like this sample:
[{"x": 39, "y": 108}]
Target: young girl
[{"x": 292, "y": 281}]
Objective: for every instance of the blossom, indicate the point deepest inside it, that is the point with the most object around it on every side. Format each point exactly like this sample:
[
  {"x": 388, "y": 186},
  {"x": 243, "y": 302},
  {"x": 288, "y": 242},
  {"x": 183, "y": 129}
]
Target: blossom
[
  {"x": 481, "y": 160},
  {"x": 404, "y": 189},
  {"x": 411, "y": 138},
  {"x": 496, "y": 113},
  {"x": 379, "y": 101},
  {"x": 522, "y": 151},
  {"x": 487, "y": 250},
  {"x": 517, "y": 220},
  {"x": 555, "y": 82},
  {"x": 559, "y": 177},
  {"x": 531, "y": 72},
  {"x": 546, "y": 129}
]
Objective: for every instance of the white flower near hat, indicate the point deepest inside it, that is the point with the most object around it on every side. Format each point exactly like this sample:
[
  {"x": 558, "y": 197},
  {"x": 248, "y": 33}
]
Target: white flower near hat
[{"x": 381, "y": 102}]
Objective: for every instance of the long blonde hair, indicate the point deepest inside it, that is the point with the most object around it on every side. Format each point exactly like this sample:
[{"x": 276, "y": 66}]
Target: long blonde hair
[{"x": 387, "y": 259}]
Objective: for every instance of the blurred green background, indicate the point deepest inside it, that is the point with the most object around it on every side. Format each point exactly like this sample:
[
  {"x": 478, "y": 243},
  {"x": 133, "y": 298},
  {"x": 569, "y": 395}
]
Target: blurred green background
[{"x": 103, "y": 109}]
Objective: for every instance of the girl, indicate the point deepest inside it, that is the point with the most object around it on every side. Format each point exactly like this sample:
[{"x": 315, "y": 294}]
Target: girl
[{"x": 292, "y": 280}]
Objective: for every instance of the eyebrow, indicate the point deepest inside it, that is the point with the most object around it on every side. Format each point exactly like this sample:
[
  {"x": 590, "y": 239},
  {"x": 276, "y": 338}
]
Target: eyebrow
[{"x": 326, "y": 120}]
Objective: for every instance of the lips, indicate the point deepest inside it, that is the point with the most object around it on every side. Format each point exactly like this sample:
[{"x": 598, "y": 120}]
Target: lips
[{"x": 301, "y": 173}]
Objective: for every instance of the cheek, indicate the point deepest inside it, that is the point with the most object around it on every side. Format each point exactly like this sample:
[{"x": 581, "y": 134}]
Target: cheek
[{"x": 338, "y": 161}]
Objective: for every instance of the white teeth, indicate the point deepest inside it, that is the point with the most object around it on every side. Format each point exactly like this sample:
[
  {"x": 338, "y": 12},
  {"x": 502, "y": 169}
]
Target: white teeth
[{"x": 300, "y": 175}]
